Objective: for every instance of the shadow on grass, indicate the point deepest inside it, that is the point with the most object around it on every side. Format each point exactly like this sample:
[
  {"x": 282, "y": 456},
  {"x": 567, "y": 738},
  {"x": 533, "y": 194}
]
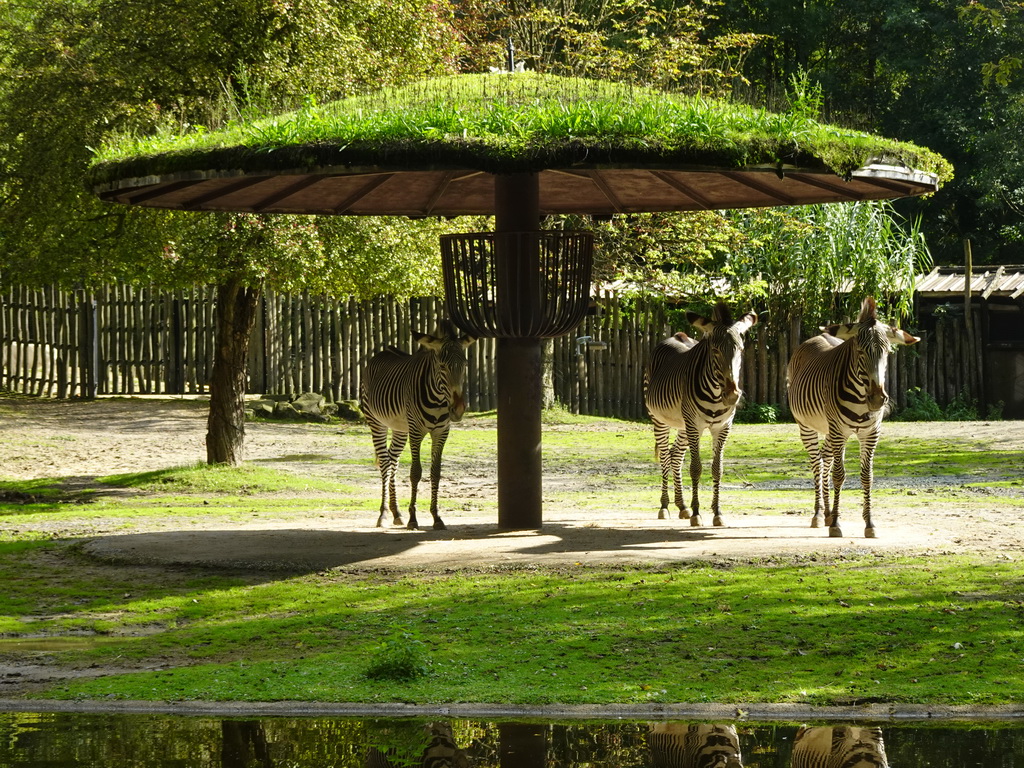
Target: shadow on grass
[{"x": 318, "y": 549}]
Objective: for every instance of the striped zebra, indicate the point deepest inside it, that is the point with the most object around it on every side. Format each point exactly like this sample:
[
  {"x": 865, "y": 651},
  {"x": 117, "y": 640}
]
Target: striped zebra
[
  {"x": 691, "y": 387},
  {"x": 413, "y": 396},
  {"x": 692, "y": 745},
  {"x": 843, "y": 746},
  {"x": 837, "y": 389}
]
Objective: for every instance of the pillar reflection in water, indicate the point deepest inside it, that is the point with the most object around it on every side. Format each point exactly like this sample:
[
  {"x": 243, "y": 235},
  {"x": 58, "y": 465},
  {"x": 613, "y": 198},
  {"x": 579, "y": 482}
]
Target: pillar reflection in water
[{"x": 244, "y": 744}]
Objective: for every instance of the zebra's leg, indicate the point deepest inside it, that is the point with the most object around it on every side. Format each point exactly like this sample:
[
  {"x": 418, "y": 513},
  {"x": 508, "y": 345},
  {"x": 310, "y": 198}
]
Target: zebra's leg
[
  {"x": 718, "y": 452},
  {"x": 437, "y": 441},
  {"x": 836, "y": 444},
  {"x": 415, "y": 473},
  {"x": 867, "y": 458},
  {"x": 693, "y": 443},
  {"x": 678, "y": 452},
  {"x": 809, "y": 437},
  {"x": 387, "y": 461},
  {"x": 663, "y": 453}
]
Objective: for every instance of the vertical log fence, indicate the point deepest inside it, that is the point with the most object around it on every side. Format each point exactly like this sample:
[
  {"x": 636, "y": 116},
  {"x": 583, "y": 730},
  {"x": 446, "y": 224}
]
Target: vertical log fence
[{"x": 124, "y": 340}]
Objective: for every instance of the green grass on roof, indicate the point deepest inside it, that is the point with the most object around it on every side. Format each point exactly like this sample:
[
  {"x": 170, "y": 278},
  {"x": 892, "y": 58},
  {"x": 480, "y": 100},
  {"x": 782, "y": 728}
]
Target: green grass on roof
[{"x": 520, "y": 122}]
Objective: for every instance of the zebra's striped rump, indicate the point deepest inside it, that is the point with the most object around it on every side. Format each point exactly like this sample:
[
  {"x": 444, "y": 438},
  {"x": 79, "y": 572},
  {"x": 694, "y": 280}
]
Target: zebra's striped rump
[
  {"x": 694, "y": 745},
  {"x": 837, "y": 389},
  {"x": 693, "y": 386},
  {"x": 412, "y": 396},
  {"x": 841, "y": 746}
]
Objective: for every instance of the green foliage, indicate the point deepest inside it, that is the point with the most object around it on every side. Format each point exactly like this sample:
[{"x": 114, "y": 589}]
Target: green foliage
[
  {"x": 758, "y": 413},
  {"x": 402, "y": 657},
  {"x": 893, "y": 68},
  {"x": 77, "y": 71},
  {"x": 623, "y": 40},
  {"x": 921, "y": 406},
  {"x": 962, "y": 408}
]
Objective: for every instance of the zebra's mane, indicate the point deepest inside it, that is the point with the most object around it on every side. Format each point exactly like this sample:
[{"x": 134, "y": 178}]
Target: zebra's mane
[{"x": 721, "y": 314}]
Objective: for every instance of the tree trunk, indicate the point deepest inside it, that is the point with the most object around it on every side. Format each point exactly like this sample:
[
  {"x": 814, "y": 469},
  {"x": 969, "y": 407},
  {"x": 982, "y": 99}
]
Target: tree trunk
[{"x": 236, "y": 313}]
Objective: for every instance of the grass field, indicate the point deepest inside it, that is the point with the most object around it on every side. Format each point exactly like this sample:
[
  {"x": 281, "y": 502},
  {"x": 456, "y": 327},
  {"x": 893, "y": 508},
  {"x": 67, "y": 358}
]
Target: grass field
[{"x": 944, "y": 626}]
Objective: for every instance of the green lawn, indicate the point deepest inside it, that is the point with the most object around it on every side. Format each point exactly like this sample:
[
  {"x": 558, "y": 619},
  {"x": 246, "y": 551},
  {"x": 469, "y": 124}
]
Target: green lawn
[{"x": 814, "y": 628}]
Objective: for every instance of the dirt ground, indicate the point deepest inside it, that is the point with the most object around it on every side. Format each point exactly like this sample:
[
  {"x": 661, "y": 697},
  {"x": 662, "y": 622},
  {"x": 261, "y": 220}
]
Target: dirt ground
[{"x": 80, "y": 441}]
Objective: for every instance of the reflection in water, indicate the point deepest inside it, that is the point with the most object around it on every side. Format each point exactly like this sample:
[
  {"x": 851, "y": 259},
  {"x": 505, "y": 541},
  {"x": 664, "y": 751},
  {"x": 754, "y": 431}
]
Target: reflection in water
[
  {"x": 147, "y": 741},
  {"x": 839, "y": 746},
  {"x": 694, "y": 745},
  {"x": 439, "y": 750},
  {"x": 243, "y": 744}
]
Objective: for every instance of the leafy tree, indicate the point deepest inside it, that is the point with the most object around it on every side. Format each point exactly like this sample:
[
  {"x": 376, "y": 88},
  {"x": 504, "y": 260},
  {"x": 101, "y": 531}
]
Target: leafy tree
[
  {"x": 76, "y": 72},
  {"x": 652, "y": 43},
  {"x": 946, "y": 74}
]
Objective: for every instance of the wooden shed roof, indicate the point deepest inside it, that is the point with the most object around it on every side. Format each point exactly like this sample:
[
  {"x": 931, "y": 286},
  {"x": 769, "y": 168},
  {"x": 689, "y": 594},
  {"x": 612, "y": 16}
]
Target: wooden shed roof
[{"x": 994, "y": 280}]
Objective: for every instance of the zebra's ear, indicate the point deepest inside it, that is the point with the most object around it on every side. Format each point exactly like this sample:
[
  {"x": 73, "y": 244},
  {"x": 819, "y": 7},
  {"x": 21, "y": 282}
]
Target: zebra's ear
[
  {"x": 897, "y": 336},
  {"x": 428, "y": 341},
  {"x": 840, "y": 330},
  {"x": 746, "y": 322},
  {"x": 465, "y": 341},
  {"x": 698, "y": 321}
]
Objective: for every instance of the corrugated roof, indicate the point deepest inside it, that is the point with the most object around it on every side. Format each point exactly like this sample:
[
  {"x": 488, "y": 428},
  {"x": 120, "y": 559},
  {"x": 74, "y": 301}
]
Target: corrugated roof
[{"x": 1002, "y": 280}]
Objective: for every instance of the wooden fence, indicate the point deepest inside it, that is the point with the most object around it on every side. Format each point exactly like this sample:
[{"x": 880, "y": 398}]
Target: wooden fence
[{"x": 124, "y": 340}]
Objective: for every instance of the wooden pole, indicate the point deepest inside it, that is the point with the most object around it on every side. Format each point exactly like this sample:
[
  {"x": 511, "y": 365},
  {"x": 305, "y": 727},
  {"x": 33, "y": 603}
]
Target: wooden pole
[
  {"x": 973, "y": 382},
  {"x": 519, "y": 364}
]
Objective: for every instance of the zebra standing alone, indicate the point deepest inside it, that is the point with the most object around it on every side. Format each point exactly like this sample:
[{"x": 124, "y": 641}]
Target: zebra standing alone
[
  {"x": 413, "y": 396},
  {"x": 837, "y": 389},
  {"x": 692, "y": 387}
]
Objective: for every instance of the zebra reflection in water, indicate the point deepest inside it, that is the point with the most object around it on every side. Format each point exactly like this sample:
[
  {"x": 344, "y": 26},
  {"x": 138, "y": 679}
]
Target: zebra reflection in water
[
  {"x": 694, "y": 745},
  {"x": 840, "y": 746},
  {"x": 692, "y": 387},
  {"x": 837, "y": 389},
  {"x": 413, "y": 396}
]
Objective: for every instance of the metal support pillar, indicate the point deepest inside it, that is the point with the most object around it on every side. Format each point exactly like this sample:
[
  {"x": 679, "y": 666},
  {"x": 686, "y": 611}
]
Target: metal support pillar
[{"x": 519, "y": 373}]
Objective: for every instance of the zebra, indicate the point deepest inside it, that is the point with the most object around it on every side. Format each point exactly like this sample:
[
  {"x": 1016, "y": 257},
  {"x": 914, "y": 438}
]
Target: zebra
[
  {"x": 842, "y": 746},
  {"x": 691, "y": 745},
  {"x": 413, "y": 396},
  {"x": 836, "y": 384},
  {"x": 693, "y": 386}
]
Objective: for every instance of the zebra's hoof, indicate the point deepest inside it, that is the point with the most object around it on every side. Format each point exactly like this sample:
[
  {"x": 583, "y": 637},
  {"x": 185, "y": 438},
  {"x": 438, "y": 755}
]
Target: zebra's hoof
[
  {"x": 663, "y": 514},
  {"x": 439, "y": 526},
  {"x": 413, "y": 526},
  {"x": 695, "y": 521},
  {"x": 718, "y": 521},
  {"x": 834, "y": 532},
  {"x": 817, "y": 521},
  {"x": 869, "y": 533},
  {"x": 684, "y": 514}
]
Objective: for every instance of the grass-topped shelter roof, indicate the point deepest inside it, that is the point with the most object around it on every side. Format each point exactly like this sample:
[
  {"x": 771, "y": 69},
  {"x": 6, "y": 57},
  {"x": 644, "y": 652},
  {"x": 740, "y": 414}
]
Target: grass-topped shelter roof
[
  {"x": 434, "y": 148},
  {"x": 517, "y": 146}
]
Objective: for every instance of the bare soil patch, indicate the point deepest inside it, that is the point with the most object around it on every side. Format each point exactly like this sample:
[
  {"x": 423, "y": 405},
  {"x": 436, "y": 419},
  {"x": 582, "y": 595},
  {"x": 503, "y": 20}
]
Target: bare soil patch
[{"x": 79, "y": 441}]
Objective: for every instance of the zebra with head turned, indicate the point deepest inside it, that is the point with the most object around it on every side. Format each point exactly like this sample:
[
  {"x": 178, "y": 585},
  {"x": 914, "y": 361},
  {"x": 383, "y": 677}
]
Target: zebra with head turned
[
  {"x": 691, "y": 387},
  {"x": 694, "y": 745},
  {"x": 837, "y": 389},
  {"x": 840, "y": 746},
  {"x": 414, "y": 396}
]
